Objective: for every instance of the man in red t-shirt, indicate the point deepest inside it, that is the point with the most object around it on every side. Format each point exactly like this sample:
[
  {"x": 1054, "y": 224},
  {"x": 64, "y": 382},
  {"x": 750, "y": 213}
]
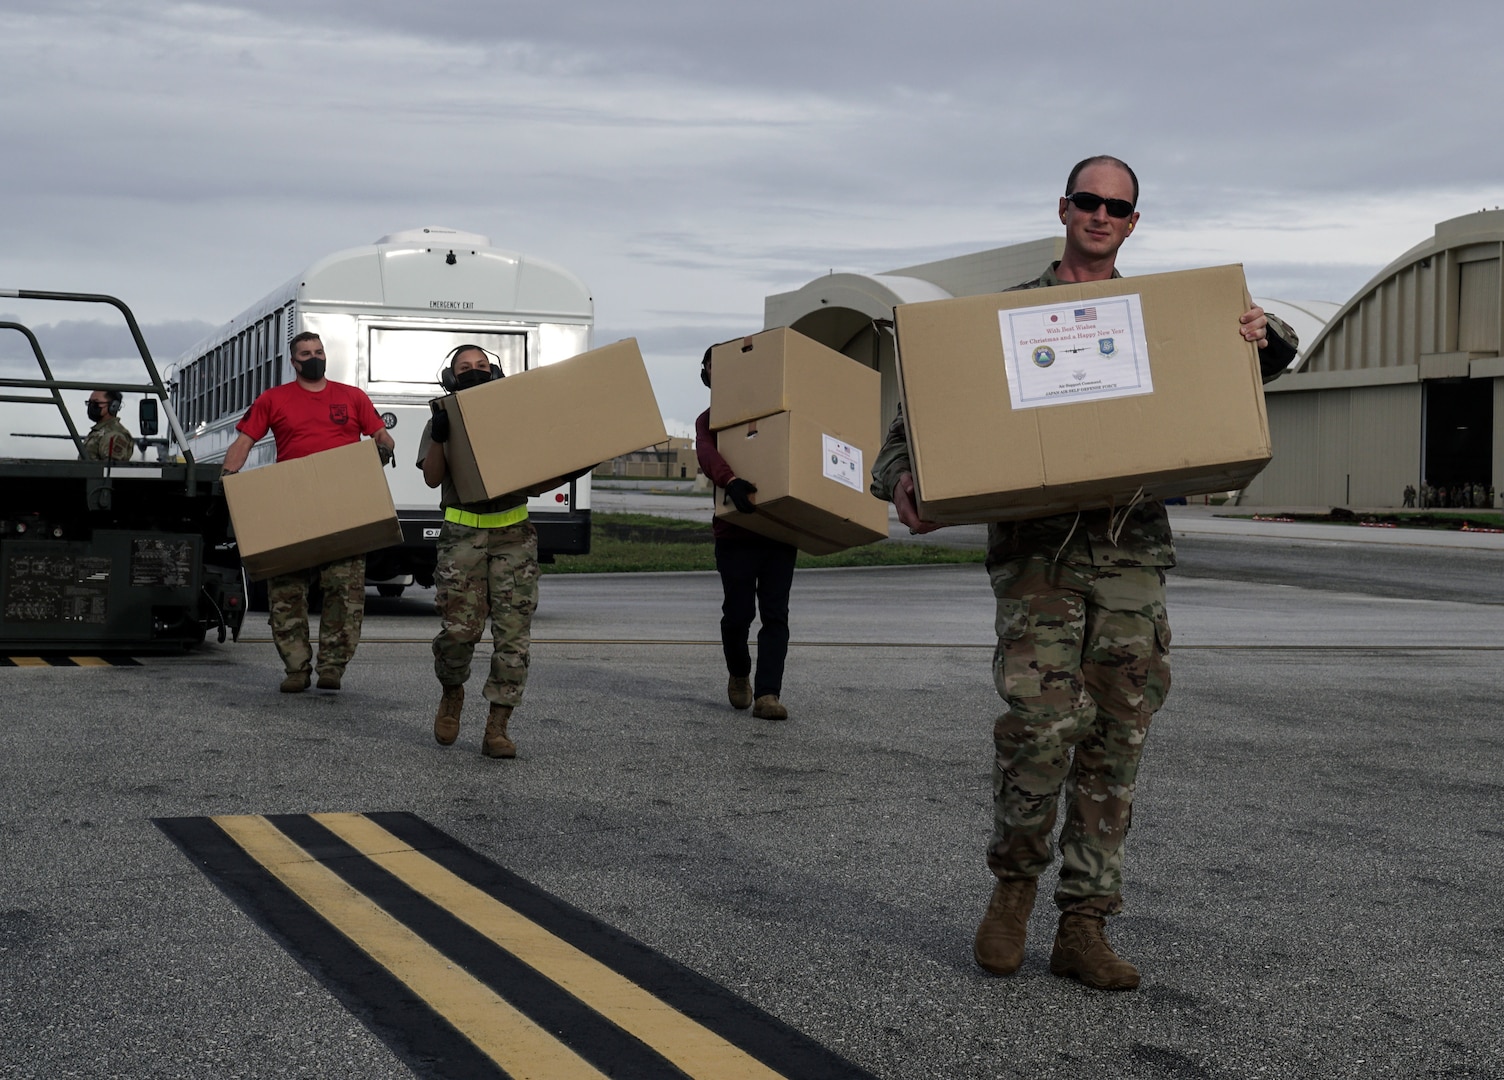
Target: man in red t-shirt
[{"x": 305, "y": 416}]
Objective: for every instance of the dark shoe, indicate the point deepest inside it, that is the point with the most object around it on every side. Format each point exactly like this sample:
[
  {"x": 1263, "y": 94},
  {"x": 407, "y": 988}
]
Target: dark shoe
[
  {"x": 495, "y": 743},
  {"x": 768, "y": 707},
  {"x": 739, "y": 691},
  {"x": 295, "y": 683},
  {"x": 329, "y": 680},
  {"x": 1081, "y": 952},
  {"x": 999, "y": 944},
  {"x": 446, "y": 722}
]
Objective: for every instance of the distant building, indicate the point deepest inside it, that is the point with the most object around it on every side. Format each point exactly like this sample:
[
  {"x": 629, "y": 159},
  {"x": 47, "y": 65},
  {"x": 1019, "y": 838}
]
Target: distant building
[
  {"x": 1401, "y": 386},
  {"x": 671, "y": 460}
]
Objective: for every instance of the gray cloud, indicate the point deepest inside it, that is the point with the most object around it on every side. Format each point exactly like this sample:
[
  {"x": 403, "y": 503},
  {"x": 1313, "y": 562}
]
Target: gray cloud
[{"x": 81, "y": 339}]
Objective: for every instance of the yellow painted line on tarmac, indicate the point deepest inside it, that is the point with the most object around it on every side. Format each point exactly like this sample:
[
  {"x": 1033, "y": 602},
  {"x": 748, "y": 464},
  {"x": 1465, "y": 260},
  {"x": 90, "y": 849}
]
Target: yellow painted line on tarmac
[
  {"x": 28, "y": 661},
  {"x": 89, "y": 661},
  {"x": 497, "y": 1029},
  {"x": 696, "y": 1050}
]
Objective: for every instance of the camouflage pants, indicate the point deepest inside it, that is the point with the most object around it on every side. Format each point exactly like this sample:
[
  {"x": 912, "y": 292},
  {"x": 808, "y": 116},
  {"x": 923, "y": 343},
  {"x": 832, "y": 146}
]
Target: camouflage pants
[
  {"x": 1082, "y": 661},
  {"x": 343, "y": 583},
  {"x": 480, "y": 572}
]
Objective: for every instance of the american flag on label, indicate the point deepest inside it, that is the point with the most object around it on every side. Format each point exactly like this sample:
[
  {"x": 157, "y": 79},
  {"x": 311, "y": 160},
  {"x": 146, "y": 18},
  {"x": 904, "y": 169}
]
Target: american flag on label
[{"x": 1086, "y": 314}]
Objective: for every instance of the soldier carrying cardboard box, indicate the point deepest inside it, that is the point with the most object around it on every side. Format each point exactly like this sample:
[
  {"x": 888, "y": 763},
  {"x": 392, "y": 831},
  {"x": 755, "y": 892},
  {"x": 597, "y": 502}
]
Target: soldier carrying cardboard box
[
  {"x": 305, "y": 416},
  {"x": 757, "y": 574},
  {"x": 1082, "y": 658},
  {"x": 487, "y": 565}
]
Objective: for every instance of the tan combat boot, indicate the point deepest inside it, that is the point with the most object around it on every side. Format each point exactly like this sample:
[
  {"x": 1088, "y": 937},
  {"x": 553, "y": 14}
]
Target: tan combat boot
[
  {"x": 295, "y": 683},
  {"x": 739, "y": 691},
  {"x": 999, "y": 945},
  {"x": 496, "y": 744},
  {"x": 329, "y": 680},
  {"x": 446, "y": 722},
  {"x": 768, "y": 707},
  {"x": 1081, "y": 952}
]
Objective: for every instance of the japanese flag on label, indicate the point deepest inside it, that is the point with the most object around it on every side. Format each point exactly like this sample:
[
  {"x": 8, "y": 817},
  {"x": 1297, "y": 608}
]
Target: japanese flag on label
[{"x": 843, "y": 463}]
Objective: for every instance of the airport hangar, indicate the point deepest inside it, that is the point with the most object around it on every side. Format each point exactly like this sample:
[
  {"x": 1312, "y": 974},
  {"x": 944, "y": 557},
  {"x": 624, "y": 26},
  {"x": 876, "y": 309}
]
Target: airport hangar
[{"x": 1398, "y": 385}]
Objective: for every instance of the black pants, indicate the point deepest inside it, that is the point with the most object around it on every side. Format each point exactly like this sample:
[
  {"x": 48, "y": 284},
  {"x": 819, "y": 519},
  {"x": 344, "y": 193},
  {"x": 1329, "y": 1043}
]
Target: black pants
[{"x": 756, "y": 576}]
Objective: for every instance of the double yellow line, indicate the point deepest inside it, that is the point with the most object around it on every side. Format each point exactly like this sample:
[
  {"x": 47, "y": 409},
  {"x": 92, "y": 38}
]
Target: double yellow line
[{"x": 497, "y": 1029}]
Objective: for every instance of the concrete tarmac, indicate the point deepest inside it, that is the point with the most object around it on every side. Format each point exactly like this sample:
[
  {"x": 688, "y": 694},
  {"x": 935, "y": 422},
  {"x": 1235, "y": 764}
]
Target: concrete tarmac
[{"x": 1315, "y": 879}]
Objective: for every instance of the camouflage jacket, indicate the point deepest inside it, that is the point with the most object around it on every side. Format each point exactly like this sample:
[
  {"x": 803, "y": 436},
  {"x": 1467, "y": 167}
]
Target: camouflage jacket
[
  {"x": 109, "y": 440},
  {"x": 1137, "y": 535}
]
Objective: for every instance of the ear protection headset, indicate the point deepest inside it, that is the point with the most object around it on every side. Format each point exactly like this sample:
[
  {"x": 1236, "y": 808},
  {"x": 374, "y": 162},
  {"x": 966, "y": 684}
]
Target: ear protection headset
[
  {"x": 446, "y": 373},
  {"x": 113, "y": 401}
]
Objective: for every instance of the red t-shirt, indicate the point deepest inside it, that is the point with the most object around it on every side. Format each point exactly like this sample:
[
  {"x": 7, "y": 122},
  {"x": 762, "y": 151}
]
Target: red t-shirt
[{"x": 304, "y": 422}]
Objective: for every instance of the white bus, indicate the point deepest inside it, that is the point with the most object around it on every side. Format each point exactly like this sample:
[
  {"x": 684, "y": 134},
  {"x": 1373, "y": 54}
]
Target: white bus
[{"x": 389, "y": 314}]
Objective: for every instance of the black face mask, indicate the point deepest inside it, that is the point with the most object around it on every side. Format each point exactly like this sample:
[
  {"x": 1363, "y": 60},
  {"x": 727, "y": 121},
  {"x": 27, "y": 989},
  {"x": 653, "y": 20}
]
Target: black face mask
[
  {"x": 474, "y": 377},
  {"x": 96, "y": 411},
  {"x": 312, "y": 369}
]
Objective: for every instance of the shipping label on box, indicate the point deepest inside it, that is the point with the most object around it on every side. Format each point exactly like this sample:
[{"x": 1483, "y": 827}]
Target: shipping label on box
[
  {"x": 808, "y": 491},
  {"x": 298, "y": 514},
  {"x": 1072, "y": 351},
  {"x": 842, "y": 463},
  {"x": 1185, "y": 415},
  {"x": 516, "y": 433}
]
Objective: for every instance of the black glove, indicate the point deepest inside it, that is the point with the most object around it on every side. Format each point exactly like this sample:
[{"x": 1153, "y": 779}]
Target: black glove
[
  {"x": 740, "y": 492},
  {"x": 388, "y": 455},
  {"x": 438, "y": 430}
]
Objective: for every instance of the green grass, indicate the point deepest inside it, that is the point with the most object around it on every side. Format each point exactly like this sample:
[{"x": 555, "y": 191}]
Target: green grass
[{"x": 627, "y": 543}]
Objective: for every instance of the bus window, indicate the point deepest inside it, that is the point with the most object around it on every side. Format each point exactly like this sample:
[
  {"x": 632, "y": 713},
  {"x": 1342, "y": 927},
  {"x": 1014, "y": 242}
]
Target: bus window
[{"x": 416, "y": 355}]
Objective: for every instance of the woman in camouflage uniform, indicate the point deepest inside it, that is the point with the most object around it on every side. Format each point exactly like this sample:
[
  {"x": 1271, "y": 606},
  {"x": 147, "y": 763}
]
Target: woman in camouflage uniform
[{"x": 488, "y": 563}]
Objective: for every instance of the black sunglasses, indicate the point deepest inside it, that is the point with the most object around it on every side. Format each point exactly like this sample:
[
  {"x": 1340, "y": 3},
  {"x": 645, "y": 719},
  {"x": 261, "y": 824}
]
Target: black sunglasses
[{"x": 1087, "y": 203}]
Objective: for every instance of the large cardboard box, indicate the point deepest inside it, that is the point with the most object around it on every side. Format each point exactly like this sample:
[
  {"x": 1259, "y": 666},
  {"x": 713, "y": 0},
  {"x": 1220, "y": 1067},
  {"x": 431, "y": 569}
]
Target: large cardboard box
[
  {"x": 312, "y": 510},
  {"x": 1081, "y": 396},
  {"x": 781, "y": 370},
  {"x": 515, "y": 433},
  {"x": 802, "y": 423},
  {"x": 812, "y": 486}
]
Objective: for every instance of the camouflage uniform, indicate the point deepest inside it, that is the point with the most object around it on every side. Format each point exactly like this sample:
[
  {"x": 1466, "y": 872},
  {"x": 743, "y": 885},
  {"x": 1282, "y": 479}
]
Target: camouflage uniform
[
  {"x": 344, "y": 587},
  {"x": 109, "y": 440},
  {"x": 484, "y": 571},
  {"x": 1082, "y": 661}
]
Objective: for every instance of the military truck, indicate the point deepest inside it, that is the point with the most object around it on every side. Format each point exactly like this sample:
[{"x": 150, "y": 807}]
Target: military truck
[{"x": 111, "y": 556}]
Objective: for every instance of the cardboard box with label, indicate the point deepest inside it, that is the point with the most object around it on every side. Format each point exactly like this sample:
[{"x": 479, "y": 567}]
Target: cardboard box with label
[
  {"x": 301, "y": 513},
  {"x": 1081, "y": 396},
  {"x": 803, "y": 424},
  {"x": 514, "y": 434}
]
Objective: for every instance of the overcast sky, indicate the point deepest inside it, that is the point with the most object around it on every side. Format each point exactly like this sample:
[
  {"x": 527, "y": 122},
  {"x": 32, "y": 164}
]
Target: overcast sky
[{"x": 685, "y": 159}]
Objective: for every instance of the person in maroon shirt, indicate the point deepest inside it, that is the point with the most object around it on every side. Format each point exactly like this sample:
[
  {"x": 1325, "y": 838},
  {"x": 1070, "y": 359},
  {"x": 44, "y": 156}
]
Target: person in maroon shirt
[{"x": 756, "y": 576}]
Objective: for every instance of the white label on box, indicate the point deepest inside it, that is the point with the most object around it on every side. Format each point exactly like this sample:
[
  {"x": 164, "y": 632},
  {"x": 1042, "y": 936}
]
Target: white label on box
[
  {"x": 1080, "y": 350},
  {"x": 843, "y": 463}
]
